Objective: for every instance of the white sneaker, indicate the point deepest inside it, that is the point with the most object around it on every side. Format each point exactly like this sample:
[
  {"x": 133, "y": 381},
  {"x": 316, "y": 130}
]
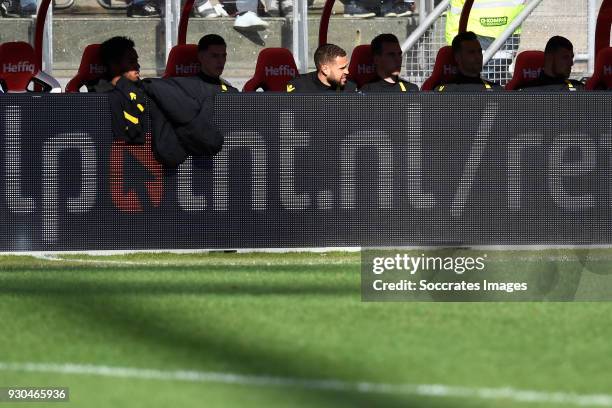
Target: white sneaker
[
  {"x": 220, "y": 10},
  {"x": 207, "y": 10},
  {"x": 250, "y": 21}
]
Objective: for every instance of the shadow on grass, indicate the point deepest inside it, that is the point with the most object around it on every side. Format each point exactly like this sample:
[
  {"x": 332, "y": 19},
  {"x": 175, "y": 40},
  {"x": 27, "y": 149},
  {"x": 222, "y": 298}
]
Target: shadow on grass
[
  {"x": 128, "y": 318},
  {"x": 46, "y": 287}
]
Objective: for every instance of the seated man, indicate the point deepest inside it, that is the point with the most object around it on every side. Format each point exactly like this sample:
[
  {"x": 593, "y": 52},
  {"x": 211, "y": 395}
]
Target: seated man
[
  {"x": 558, "y": 62},
  {"x": 331, "y": 74},
  {"x": 468, "y": 56},
  {"x": 127, "y": 102},
  {"x": 121, "y": 60},
  {"x": 387, "y": 55},
  {"x": 212, "y": 54}
]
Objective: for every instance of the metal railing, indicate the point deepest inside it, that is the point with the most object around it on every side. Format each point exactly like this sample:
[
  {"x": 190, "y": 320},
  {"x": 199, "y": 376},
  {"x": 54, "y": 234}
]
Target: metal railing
[{"x": 422, "y": 45}]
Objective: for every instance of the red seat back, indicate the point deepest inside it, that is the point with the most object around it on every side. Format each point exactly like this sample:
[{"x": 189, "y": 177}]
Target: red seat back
[
  {"x": 90, "y": 70},
  {"x": 361, "y": 67},
  {"x": 275, "y": 67},
  {"x": 602, "y": 76},
  {"x": 602, "y": 28},
  {"x": 182, "y": 61},
  {"x": 445, "y": 68},
  {"x": 527, "y": 68},
  {"x": 17, "y": 65}
]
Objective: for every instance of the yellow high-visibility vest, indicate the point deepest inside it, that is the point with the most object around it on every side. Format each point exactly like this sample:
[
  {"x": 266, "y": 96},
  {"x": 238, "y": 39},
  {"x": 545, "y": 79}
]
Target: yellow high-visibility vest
[{"x": 488, "y": 18}]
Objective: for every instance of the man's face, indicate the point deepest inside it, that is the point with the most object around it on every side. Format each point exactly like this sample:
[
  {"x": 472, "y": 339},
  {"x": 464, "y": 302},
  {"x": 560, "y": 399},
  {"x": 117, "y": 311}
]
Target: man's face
[
  {"x": 389, "y": 62},
  {"x": 336, "y": 71},
  {"x": 561, "y": 62},
  {"x": 213, "y": 60},
  {"x": 469, "y": 58},
  {"x": 129, "y": 66}
]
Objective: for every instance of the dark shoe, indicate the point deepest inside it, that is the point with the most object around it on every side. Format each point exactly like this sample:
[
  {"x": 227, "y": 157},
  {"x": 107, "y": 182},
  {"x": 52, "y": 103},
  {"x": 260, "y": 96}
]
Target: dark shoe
[
  {"x": 401, "y": 9},
  {"x": 286, "y": 11},
  {"x": 355, "y": 10},
  {"x": 10, "y": 8},
  {"x": 28, "y": 11},
  {"x": 143, "y": 10}
]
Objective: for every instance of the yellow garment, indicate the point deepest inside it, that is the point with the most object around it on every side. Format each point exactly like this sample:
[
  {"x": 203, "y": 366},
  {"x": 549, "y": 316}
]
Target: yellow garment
[{"x": 488, "y": 18}]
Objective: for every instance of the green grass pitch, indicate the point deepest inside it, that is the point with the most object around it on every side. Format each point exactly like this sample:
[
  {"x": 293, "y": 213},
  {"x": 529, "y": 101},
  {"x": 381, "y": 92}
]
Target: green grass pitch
[{"x": 283, "y": 330}]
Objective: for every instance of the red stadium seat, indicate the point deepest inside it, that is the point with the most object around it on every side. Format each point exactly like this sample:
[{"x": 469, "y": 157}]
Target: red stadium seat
[
  {"x": 602, "y": 28},
  {"x": 182, "y": 61},
  {"x": 18, "y": 70},
  {"x": 361, "y": 67},
  {"x": 527, "y": 68},
  {"x": 90, "y": 70},
  {"x": 444, "y": 69},
  {"x": 602, "y": 77},
  {"x": 275, "y": 67},
  {"x": 17, "y": 66}
]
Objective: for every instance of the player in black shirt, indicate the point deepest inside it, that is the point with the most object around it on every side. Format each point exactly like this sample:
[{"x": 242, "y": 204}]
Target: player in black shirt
[
  {"x": 468, "y": 55},
  {"x": 212, "y": 54},
  {"x": 387, "y": 55},
  {"x": 120, "y": 59},
  {"x": 331, "y": 74},
  {"x": 558, "y": 62}
]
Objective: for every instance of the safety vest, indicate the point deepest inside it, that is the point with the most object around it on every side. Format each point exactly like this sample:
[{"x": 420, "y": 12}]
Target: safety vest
[{"x": 488, "y": 18}]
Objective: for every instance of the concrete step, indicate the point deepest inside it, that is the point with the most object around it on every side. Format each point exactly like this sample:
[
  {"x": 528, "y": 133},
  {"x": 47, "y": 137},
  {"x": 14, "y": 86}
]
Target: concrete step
[
  {"x": 72, "y": 34},
  {"x": 92, "y": 7}
]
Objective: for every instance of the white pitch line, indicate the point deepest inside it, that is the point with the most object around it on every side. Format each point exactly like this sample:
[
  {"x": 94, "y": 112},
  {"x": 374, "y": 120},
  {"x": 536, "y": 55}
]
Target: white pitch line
[
  {"x": 96, "y": 261},
  {"x": 535, "y": 258},
  {"x": 422, "y": 390},
  {"x": 56, "y": 258}
]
